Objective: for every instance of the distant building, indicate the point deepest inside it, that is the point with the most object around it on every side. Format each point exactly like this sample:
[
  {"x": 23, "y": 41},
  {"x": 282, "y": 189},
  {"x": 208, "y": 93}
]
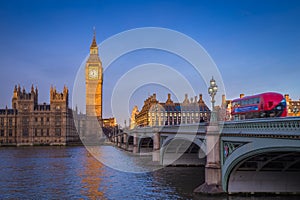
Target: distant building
[
  {"x": 30, "y": 123},
  {"x": 293, "y": 106},
  {"x": 155, "y": 113},
  {"x": 224, "y": 111},
  {"x": 134, "y": 113},
  {"x": 109, "y": 122}
]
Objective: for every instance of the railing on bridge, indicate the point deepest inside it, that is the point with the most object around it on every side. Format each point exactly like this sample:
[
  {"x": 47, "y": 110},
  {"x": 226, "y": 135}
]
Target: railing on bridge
[
  {"x": 288, "y": 126},
  {"x": 272, "y": 126},
  {"x": 183, "y": 128}
]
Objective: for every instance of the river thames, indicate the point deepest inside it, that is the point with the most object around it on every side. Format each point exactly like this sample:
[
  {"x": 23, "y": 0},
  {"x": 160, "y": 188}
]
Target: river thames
[{"x": 73, "y": 173}]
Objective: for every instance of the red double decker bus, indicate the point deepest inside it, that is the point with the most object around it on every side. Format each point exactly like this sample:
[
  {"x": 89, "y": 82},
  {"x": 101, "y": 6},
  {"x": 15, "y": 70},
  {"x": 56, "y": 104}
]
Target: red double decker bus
[{"x": 263, "y": 105}]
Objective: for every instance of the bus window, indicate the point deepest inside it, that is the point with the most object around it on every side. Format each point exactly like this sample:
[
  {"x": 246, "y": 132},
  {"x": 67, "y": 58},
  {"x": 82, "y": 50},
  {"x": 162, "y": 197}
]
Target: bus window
[
  {"x": 236, "y": 117},
  {"x": 251, "y": 101},
  {"x": 247, "y": 102},
  {"x": 243, "y": 102},
  {"x": 257, "y": 100}
]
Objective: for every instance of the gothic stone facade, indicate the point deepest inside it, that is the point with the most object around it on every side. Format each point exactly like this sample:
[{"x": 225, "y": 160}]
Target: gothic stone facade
[{"x": 30, "y": 123}]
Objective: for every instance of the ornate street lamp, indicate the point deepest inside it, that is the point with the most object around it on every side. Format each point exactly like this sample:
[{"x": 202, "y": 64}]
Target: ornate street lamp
[
  {"x": 295, "y": 110},
  {"x": 212, "y": 91},
  {"x": 156, "y": 115}
]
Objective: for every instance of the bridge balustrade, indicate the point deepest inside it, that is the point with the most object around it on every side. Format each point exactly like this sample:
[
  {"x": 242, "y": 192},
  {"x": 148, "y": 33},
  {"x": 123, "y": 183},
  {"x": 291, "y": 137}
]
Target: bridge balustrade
[{"x": 289, "y": 126}]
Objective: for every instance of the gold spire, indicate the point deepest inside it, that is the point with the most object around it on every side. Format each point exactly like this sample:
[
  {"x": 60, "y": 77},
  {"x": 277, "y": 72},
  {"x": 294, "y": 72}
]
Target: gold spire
[{"x": 94, "y": 43}]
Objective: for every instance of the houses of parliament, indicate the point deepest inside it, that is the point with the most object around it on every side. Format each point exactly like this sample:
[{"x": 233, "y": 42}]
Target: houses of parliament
[{"x": 29, "y": 123}]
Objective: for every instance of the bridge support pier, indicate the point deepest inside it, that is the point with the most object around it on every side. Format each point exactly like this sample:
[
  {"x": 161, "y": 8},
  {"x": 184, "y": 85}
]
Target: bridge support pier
[
  {"x": 156, "y": 148},
  {"x": 135, "y": 143},
  {"x": 119, "y": 140},
  {"x": 125, "y": 142},
  {"x": 213, "y": 178}
]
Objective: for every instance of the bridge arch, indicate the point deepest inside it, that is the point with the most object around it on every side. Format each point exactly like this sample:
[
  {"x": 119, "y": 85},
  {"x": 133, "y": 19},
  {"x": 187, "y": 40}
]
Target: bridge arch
[
  {"x": 130, "y": 140},
  {"x": 145, "y": 145},
  {"x": 129, "y": 143},
  {"x": 182, "y": 151},
  {"x": 263, "y": 166}
]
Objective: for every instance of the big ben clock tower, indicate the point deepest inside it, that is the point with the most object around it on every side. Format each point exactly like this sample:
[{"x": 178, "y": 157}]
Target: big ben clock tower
[{"x": 93, "y": 82}]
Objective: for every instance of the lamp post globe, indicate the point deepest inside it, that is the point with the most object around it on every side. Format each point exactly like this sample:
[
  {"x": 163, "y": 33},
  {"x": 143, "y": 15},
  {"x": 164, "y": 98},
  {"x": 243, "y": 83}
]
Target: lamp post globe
[
  {"x": 212, "y": 91},
  {"x": 295, "y": 111}
]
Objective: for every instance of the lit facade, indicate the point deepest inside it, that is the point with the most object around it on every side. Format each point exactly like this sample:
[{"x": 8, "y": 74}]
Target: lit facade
[
  {"x": 109, "y": 122},
  {"x": 155, "y": 113},
  {"x": 224, "y": 112},
  {"x": 30, "y": 123},
  {"x": 293, "y": 106}
]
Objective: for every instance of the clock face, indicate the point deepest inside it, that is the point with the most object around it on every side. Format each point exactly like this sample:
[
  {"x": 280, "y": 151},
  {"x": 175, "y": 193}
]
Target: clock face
[{"x": 93, "y": 73}]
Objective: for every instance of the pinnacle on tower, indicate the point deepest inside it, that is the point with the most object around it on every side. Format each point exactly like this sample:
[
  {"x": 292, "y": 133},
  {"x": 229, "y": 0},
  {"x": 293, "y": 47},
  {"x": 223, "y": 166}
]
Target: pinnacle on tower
[
  {"x": 186, "y": 100},
  {"x": 94, "y": 43},
  {"x": 32, "y": 89}
]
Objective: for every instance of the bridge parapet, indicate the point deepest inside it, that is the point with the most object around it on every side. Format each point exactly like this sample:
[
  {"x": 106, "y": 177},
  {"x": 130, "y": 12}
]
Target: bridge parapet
[
  {"x": 272, "y": 126},
  {"x": 183, "y": 128}
]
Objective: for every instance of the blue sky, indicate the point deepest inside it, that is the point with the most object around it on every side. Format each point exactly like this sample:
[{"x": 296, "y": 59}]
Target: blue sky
[{"x": 255, "y": 44}]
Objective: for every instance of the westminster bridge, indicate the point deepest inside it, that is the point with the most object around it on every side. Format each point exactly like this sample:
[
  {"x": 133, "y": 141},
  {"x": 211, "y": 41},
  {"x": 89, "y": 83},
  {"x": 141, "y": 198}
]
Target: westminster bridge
[{"x": 252, "y": 156}]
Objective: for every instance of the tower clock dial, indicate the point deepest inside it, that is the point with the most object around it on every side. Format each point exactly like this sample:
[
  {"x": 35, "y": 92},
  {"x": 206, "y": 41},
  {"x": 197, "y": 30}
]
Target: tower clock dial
[{"x": 93, "y": 73}]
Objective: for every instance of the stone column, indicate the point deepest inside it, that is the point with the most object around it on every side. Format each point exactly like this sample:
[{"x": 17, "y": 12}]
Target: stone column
[
  {"x": 156, "y": 147},
  {"x": 156, "y": 141},
  {"x": 112, "y": 139},
  {"x": 135, "y": 143},
  {"x": 213, "y": 176},
  {"x": 125, "y": 144},
  {"x": 119, "y": 141}
]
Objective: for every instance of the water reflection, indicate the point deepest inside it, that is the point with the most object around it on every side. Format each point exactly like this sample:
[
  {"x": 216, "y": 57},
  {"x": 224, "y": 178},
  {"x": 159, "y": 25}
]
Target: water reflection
[
  {"x": 124, "y": 161},
  {"x": 72, "y": 173},
  {"x": 115, "y": 184},
  {"x": 91, "y": 176},
  {"x": 183, "y": 179}
]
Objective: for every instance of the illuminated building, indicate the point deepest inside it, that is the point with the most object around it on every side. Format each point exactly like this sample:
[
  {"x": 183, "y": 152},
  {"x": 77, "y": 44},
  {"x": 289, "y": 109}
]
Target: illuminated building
[
  {"x": 109, "y": 122},
  {"x": 155, "y": 113},
  {"x": 293, "y": 106},
  {"x": 30, "y": 123}
]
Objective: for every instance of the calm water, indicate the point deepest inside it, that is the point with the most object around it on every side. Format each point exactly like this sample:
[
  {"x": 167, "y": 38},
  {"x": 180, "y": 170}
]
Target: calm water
[{"x": 72, "y": 173}]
